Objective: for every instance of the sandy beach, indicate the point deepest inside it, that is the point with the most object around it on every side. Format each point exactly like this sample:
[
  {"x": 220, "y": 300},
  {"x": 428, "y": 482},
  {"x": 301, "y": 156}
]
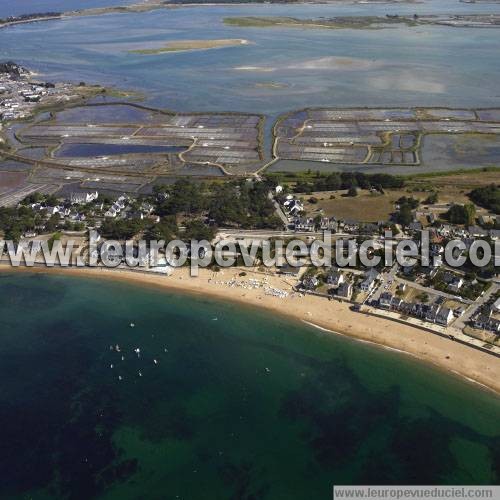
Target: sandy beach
[{"x": 333, "y": 316}]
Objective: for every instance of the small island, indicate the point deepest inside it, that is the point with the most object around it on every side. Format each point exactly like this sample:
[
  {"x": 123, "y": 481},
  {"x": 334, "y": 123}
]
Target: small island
[
  {"x": 366, "y": 22},
  {"x": 190, "y": 45}
]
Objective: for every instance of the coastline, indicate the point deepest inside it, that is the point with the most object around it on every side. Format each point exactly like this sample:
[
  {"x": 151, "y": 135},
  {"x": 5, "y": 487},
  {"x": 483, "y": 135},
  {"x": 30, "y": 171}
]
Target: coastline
[
  {"x": 328, "y": 316},
  {"x": 150, "y": 5}
]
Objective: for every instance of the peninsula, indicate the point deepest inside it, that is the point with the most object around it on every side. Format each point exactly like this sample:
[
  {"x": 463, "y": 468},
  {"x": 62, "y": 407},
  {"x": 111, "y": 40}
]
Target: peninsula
[{"x": 367, "y": 22}]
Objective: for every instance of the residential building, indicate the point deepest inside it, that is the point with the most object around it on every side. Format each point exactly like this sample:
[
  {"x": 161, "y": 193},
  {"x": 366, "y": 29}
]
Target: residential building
[
  {"x": 304, "y": 224},
  {"x": 345, "y": 290},
  {"x": 335, "y": 278},
  {"x": 310, "y": 283},
  {"x": 80, "y": 198},
  {"x": 455, "y": 284},
  {"x": 444, "y": 316},
  {"x": 385, "y": 300},
  {"x": 368, "y": 283}
]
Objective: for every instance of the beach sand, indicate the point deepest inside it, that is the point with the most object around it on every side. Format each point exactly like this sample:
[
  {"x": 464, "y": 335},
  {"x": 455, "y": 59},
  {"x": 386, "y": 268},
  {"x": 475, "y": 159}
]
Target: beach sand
[{"x": 333, "y": 316}]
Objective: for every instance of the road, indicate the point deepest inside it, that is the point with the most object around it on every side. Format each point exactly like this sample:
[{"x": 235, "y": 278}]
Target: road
[
  {"x": 433, "y": 291},
  {"x": 386, "y": 278},
  {"x": 279, "y": 211}
]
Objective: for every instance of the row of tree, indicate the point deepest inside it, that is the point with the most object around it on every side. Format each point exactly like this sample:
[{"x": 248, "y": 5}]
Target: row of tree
[{"x": 348, "y": 180}]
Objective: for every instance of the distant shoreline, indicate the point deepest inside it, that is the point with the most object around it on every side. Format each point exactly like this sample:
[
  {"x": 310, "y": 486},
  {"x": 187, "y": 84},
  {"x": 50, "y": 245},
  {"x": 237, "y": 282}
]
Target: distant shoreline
[
  {"x": 150, "y": 5},
  {"x": 330, "y": 316}
]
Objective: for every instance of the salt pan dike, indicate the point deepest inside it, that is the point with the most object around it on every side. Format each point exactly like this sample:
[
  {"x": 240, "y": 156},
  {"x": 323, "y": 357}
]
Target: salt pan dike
[
  {"x": 389, "y": 137},
  {"x": 128, "y": 148}
]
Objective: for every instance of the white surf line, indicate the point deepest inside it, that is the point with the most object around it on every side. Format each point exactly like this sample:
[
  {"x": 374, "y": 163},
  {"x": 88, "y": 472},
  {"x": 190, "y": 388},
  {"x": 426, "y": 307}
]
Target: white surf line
[
  {"x": 475, "y": 382},
  {"x": 458, "y": 374},
  {"x": 363, "y": 341}
]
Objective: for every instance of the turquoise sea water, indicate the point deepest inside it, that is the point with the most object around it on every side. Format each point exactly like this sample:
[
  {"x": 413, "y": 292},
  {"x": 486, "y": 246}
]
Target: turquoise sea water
[{"x": 240, "y": 404}]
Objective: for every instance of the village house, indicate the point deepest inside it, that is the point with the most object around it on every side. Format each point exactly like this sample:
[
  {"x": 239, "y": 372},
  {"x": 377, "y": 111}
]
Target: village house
[
  {"x": 345, "y": 290},
  {"x": 111, "y": 213},
  {"x": 288, "y": 270},
  {"x": 415, "y": 226},
  {"x": 310, "y": 283},
  {"x": 496, "y": 305},
  {"x": 455, "y": 284},
  {"x": 81, "y": 198},
  {"x": 293, "y": 206},
  {"x": 477, "y": 232},
  {"x": 368, "y": 283},
  {"x": 486, "y": 220},
  {"x": 385, "y": 300},
  {"x": 495, "y": 234},
  {"x": 350, "y": 226},
  {"x": 444, "y": 316},
  {"x": 304, "y": 224},
  {"x": 431, "y": 313},
  {"x": 335, "y": 278},
  {"x": 328, "y": 224}
]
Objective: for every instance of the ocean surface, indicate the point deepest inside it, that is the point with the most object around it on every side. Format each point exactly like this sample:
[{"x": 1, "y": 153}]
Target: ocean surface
[
  {"x": 280, "y": 69},
  {"x": 239, "y": 404}
]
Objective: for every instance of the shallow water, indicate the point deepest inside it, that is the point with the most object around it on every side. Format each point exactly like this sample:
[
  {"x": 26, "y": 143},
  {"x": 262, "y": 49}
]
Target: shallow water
[
  {"x": 240, "y": 404},
  {"x": 280, "y": 69}
]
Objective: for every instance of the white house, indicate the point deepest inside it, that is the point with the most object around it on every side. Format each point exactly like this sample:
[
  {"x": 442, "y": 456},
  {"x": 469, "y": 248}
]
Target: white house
[
  {"x": 444, "y": 316},
  {"x": 368, "y": 283},
  {"x": 79, "y": 198},
  {"x": 345, "y": 290},
  {"x": 293, "y": 206},
  {"x": 335, "y": 278},
  {"x": 456, "y": 284},
  {"x": 111, "y": 212}
]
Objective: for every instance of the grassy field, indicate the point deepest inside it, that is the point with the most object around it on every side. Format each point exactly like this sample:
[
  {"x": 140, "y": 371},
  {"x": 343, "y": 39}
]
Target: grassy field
[
  {"x": 372, "y": 207},
  {"x": 455, "y": 184},
  {"x": 367, "y": 207}
]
